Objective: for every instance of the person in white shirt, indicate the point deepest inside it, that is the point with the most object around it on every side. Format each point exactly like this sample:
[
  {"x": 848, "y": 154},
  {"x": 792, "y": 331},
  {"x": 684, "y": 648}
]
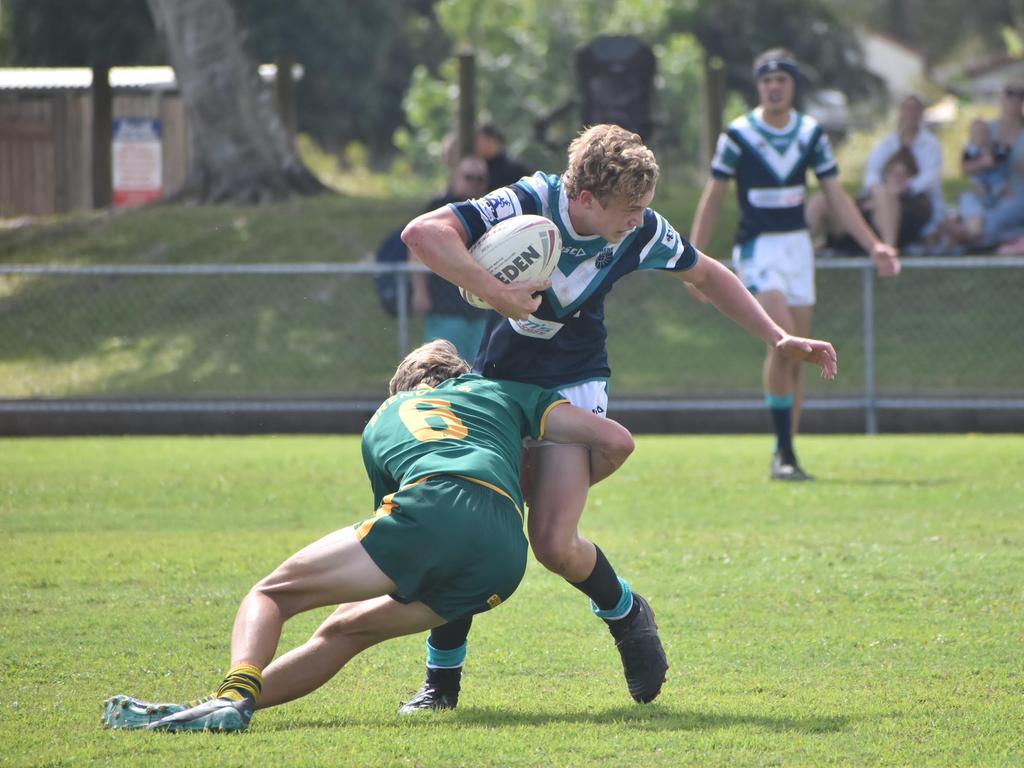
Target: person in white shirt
[{"x": 924, "y": 203}]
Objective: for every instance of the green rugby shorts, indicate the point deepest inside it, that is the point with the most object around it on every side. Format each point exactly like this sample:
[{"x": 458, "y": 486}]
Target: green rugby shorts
[{"x": 450, "y": 542}]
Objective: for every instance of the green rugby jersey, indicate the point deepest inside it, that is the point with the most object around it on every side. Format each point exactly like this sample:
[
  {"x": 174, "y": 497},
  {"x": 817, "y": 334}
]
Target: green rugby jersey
[{"x": 470, "y": 426}]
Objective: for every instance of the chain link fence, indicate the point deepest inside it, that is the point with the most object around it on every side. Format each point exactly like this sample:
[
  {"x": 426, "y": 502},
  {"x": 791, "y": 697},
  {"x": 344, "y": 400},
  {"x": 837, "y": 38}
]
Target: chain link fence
[{"x": 946, "y": 334}]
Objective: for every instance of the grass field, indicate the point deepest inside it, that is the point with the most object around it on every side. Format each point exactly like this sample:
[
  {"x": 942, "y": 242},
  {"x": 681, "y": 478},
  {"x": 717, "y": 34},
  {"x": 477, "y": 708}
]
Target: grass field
[{"x": 872, "y": 618}]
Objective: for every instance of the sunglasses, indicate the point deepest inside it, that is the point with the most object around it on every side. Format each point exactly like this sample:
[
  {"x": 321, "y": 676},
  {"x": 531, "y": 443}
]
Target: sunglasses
[
  {"x": 474, "y": 177},
  {"x": 1014, "y": 92}
]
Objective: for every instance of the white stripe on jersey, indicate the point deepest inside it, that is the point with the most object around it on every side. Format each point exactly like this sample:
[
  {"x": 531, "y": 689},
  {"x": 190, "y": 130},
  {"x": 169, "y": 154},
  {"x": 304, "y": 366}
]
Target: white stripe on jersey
[
  {"x": 781, "y": 163},
  {"x": 538, "y": 185},
  {"x": 568, "y": 288},
  {"x": 671, "y": 263},
  {"x": 646, "y": 251},
  {"x": 718, "y": 162},
  {"x": 776, "y": 197}
]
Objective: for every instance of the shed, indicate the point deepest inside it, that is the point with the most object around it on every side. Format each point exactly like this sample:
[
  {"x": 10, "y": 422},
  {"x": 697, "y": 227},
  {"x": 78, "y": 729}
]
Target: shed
[{"x": 46, "y": 129}]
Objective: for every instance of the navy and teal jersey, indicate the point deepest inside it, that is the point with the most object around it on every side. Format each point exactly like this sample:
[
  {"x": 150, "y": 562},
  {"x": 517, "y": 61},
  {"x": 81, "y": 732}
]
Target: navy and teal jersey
[
  {"x": 563, "y": 342},
  {"x": 469, "y": 427},
  {"x": 770, "y": 168}
]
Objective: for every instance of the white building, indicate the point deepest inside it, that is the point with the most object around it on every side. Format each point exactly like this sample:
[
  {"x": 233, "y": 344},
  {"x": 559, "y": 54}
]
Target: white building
[{"x": 902, "y": 67}]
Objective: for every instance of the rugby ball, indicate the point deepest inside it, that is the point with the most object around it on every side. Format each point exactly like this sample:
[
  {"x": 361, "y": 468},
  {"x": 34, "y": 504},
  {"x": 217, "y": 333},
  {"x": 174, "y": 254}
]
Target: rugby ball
[{"x": 516, "y": 250}]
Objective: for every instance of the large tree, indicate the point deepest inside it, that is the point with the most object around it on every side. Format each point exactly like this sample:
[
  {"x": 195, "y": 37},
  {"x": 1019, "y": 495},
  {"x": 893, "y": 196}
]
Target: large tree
[{"x": 241, "y": 149}]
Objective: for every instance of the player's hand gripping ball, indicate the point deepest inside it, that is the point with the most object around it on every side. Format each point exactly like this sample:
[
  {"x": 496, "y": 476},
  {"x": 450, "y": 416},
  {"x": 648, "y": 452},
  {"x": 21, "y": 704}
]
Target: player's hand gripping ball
[{"x": 517, "y": 250}]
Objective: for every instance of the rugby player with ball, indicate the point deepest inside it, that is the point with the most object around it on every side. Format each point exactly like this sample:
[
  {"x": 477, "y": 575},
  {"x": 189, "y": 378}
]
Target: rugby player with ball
[{"x": 556, "y": 339}]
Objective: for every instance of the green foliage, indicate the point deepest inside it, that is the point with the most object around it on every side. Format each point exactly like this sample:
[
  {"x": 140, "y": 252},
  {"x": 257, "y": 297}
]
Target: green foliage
[
  {"x": 525, "y": 63},
  {"x": 938, "y": 27},
  {"x": 84, "y": 33},
  {"x": 358, "y": 57},
  {"x": 872, "y": 618},
  {"x": 736, "y": 32},
  {"x": 1013, "y": 41}
]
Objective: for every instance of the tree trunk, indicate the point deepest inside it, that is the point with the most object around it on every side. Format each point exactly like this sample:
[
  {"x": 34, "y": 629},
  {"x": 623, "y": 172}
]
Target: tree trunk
[
  {"x": 714, "y": 105},
  {"x": 284, "y": 88},
  {"x": 242, "y": 152}
]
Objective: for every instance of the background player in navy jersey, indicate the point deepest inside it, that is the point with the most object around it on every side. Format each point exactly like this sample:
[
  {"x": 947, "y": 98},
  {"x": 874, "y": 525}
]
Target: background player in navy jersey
[
  {"x": 557, "y": 339},
  {"x": 447, "y": 540},
  {"x": 768, "y": 152}
]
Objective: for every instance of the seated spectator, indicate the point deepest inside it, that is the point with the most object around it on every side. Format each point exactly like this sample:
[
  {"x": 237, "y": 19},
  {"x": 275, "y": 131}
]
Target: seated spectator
[
  {"x": 985, "y": 162},
  {"x": 992, "y": 220},
  {"x": 911, "y": 133},
  {"x": 502, "y": 170},
  {"x": 896, "y": 213}
]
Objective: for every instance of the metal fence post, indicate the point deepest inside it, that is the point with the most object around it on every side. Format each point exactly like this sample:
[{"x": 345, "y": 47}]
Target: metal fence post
[
  {"x": 402, "y": 297},
  {"x": 870, "y": 397}
]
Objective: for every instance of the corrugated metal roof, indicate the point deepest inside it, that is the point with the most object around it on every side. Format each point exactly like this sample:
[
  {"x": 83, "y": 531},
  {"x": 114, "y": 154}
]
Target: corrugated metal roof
[{"x": 80, "y": 78}]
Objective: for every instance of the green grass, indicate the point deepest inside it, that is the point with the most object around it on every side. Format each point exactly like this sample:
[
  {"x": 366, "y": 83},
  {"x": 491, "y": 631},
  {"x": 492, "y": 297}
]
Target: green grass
[
  {"x": 317, "y": 336},
  {"x": 871, "y": 618}
]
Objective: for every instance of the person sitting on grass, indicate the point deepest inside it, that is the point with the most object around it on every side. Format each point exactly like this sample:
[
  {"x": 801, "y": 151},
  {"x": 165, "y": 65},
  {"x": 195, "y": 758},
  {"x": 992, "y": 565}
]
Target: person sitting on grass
[
  {"x": 443, "y": 456},
  {"x": 898, "y": 224}
]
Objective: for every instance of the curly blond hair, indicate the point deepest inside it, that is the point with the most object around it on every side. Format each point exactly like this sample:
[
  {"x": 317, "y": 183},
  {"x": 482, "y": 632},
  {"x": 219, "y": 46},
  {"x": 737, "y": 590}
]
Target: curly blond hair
[
  {"x": 609, "y": 161},
  {"x": 429, "y": 364}
]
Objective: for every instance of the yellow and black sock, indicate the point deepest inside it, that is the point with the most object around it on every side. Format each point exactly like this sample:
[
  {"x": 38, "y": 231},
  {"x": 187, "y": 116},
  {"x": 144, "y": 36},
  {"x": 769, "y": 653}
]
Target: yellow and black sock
[{"x": 243, "y": 681}]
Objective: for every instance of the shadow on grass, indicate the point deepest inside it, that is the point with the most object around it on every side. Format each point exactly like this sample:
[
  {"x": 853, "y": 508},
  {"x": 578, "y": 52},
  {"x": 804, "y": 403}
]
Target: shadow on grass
[
  {"x": 880, "y": 482},
  {"x": 655, "y": 717}
]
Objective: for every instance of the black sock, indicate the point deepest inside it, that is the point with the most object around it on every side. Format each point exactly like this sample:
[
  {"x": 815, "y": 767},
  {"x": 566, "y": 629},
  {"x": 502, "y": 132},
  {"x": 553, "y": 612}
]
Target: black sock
[
  {"x": 782, "y": 418},
  {"x": 445, "y": 679},
  {"x": 602, "y": 585},
  {"x": 450, "y": 636}
]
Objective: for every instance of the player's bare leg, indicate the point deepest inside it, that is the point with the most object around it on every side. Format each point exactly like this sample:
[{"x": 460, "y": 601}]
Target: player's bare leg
[
  {"x": 335, "y": 569},
  {"x": 559, "y": 481},
  {"x": 781, "y": 377},
  {"x": 351, "y": 629},
  {"x": 801, "y": 327}
]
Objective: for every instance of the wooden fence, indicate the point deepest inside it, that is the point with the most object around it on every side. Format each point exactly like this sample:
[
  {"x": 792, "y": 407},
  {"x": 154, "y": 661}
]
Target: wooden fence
[{"x": 45, "y": 157}]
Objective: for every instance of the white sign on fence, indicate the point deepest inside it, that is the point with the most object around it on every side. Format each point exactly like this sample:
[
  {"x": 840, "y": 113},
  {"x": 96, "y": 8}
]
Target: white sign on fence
[{"x": 137, "y": 159}]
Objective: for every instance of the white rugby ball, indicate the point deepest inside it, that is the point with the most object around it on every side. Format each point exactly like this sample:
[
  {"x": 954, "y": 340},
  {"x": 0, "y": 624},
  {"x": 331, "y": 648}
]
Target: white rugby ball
[{"x": 517, "y": 250}]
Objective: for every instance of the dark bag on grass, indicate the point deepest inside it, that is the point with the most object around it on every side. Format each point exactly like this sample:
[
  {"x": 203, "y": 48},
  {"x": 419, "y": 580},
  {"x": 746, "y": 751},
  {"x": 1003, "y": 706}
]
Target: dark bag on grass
[{"x": 391, "y": 251}]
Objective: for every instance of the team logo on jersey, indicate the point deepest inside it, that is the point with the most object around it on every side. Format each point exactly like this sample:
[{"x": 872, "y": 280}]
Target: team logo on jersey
[
  {"x": 535, "y": 328},
  {"x": 604, "y": 257},
  {"x": 670, "y": 237},
  {"x": 497, "y": 206}
]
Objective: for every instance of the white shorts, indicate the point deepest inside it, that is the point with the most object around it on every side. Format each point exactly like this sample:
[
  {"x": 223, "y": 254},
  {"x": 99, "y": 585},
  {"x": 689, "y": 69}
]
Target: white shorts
[
  {"x": 779, "y": 261},
  {"x": 592, "y": 395}
]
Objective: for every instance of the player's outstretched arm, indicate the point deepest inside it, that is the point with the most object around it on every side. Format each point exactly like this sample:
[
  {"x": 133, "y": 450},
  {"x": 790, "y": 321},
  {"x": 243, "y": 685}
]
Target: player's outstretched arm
[
  {"x": 704, "y": 220},
  {"x": 438, "y": 239},
  {"x": 733, "y": 300},
  {"x": 610, "y": 443},
  {"x": 885, "y": 256}
]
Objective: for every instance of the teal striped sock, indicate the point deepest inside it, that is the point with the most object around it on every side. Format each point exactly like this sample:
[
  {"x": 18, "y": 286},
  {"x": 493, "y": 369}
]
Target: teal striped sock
[
  {"x": 621, "y": 608},
  {"x": 453, "y": 659}
]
